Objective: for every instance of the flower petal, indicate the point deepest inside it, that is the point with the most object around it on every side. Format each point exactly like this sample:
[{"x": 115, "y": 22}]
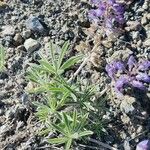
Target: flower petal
[
  {"x": 144, "y": 65},
  {"x": 138, "y": 85},
  {"x": 110, "y": 70},
  {"x": 119, "y": 66},
  {"x": 143, "y": 77},
  {"x": 119, "y": 85},
  {"x": 143, "y": 145},
  {"x": 131, "y": 62}
]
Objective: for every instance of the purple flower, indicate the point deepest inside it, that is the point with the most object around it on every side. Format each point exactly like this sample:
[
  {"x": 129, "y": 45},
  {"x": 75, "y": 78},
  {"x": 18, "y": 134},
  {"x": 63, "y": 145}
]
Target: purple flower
[
  {"x": 144, "y": 65},
  {"x": 111, "y": 2},
  {"x": 111, "y": 12},
  {"x": 119, "y": 65},
  {"x": 114, "y": 67},
  {"x": 143, "y": 77},
  {"x": 131, "y": 76},
  {"x": 138, "y": 84},
  {"x": 118, "y": 8},
  {"x": 96, "y": 2},
  {"x": 93, "y": 15},
  {"x": 119, "y": 85},
  {"x": 131, "y": 62},
  {"x": 109, "y": 24},
  {"x": 110, "y": 70},
  {"x": 143, "y": 145}
]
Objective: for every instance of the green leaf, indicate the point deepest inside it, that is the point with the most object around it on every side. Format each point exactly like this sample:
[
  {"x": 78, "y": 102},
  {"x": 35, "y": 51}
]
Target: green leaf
[
  {"x": 68, "y": 144},
  {"x": 70, "y": 62},
  {"x": 32, "y": 76},
  {"x": 60, "y": 140},
  {"x": 66, "y": 121},
  {"x": 64, "y": 99},
  {"x": 63, "y": 52},
  {"x": 47, "y": 66},
  {"x": 45, "y": 131},
  {"x": 74, "y": 119},
  {"x": 85, "y": 133},
  {"x": 53, "y": 55},
  {"x": 82, "y": 123},
  {"x": 2, "y": 58},
  {"x": 59, "y": 129}
]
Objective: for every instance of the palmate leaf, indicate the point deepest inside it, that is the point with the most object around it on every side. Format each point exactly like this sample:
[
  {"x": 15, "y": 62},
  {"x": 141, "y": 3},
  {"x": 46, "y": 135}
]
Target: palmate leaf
[{"x": 2, "y": 58}]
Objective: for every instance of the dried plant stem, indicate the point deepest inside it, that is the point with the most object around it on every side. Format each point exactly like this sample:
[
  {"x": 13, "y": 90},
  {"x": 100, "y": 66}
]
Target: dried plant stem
[
  {"x": 102, "y": 144},
  {"x": 91, "y": 147},
  {"x": 86, "y": 59}
]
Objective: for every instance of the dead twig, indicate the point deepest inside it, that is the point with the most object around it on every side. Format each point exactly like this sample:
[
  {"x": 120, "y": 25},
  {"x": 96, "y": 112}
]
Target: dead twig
[
  {"x": 102, "y": 144},
  {"x": 86, "y": 59}
]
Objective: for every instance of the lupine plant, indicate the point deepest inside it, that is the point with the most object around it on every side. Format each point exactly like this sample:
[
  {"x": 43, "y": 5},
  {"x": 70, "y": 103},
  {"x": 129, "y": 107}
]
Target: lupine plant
[
  {"x": 65, "y": 109},
  {"x": 133, "y": 73},
  {"x": 108, "y": 14}
]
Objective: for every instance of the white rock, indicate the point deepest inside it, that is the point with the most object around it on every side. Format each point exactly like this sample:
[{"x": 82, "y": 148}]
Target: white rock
[
  {"x": 31, "y": 45},
  {"x": 8, "y": 30},
  {"x": 147, "y": 42}
]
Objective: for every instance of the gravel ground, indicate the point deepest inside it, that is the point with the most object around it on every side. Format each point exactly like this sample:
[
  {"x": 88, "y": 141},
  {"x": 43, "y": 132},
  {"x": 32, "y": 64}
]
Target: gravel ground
[{"x": 27, "y": 26}]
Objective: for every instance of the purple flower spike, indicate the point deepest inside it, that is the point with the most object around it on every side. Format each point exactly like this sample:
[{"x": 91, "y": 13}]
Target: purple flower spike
[
  {"x": 143, "y": 77},
  {"x": 131, "y": 62},
  {"x": 145, "y": 65},
  {"x": 138, "y": 85},
  {"x": 110, "y": 15},
  {"x": 143, "y": 145}
]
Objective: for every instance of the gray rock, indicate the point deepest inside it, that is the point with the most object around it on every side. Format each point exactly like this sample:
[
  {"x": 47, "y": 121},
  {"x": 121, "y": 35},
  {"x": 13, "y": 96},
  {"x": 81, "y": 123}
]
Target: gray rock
[
  {"x": 31, "y": 45},
  {"x": 20, "y": 48},
  {"x": 147, "y": 42},
  {"x": 18, "y": 39},
  {"x": 26, "y": 34},
  {"x": 34, "y": 24}
]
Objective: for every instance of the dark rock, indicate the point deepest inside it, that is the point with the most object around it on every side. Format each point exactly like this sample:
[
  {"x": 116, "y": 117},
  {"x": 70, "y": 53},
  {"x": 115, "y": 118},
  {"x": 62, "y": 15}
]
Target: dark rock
[{"x": 34, "y": 24}]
